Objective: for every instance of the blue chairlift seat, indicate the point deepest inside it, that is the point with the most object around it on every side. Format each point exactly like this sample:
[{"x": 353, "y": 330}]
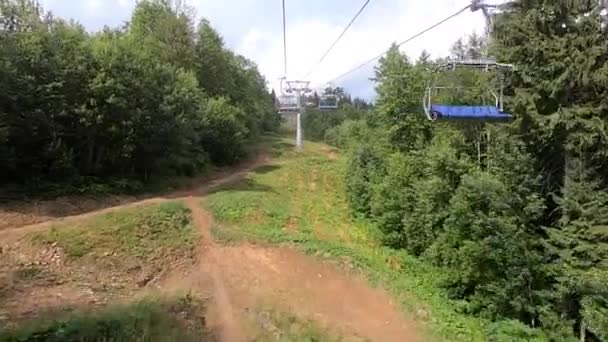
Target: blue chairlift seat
[{"x": 453, "y": 112}]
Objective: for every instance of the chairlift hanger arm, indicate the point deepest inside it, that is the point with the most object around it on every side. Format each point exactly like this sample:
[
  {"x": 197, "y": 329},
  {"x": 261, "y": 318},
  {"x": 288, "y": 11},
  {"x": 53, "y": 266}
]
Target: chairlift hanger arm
[{"x": 282, "y": 87}]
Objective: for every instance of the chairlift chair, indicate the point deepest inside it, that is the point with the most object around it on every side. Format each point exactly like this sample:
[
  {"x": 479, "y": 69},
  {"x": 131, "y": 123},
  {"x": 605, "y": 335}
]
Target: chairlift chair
[
  {"x": 484, "y": 111},
  {"x": 288, "y": 104},
  {"x": 328, "y": 102}
]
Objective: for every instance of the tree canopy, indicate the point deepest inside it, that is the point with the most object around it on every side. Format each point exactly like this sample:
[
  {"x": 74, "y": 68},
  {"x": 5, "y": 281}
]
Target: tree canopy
[{"x": 156, "y": 96}]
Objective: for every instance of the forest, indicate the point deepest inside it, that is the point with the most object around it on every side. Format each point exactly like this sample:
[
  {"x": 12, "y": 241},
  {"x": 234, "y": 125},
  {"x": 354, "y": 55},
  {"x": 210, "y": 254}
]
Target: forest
[
  {"x": 115, "y": 109},
  {"x": 516, "y": 213}
]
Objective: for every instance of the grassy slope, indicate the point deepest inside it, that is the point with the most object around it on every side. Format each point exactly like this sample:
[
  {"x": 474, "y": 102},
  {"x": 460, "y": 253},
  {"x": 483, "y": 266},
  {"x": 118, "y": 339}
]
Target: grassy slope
[
  {"x": 146, "y": 233},
  {"x": 300, "y": 200}
]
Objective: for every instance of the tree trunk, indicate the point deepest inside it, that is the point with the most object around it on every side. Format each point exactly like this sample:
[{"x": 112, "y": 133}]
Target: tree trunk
[{"x": 583, "y": 332}]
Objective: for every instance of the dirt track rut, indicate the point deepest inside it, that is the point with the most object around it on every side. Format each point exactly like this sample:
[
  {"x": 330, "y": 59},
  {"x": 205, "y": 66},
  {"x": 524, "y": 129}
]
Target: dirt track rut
[{"x": 246, "y": 276}]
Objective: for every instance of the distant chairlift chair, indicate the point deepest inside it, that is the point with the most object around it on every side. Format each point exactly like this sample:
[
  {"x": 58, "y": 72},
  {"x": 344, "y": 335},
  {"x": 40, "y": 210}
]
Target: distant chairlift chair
[
  {"x": 328, "y": 102},
  {"x": 435, "y": 111},
  {"x": 288, "y": 104}
]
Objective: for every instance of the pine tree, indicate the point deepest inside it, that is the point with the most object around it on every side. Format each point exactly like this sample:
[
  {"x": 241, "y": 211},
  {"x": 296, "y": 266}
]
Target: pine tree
[
  {"x": 560, "y": 86},
  {"x": 581, "y": 241},
  {"x": 400, "y": 88},
  {"x": 561, "y": 80}
]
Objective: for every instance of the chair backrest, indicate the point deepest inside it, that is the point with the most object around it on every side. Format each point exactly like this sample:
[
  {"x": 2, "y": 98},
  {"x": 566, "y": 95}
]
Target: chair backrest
[
  {"x": 288, "y": 104},
  {"x": 328, "y": 102}
]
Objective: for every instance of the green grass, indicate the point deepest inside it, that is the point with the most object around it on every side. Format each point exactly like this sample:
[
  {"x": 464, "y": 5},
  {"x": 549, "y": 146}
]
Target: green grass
[
  {"x": 147, "y": 233},
  {"x": 272, "y": 325},
  {"x": 152, "y": 319},
  {"x": 300, "y": 201}
]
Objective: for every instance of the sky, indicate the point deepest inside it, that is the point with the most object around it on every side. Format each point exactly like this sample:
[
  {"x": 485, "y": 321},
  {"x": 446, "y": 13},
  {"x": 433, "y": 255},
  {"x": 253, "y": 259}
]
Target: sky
[{"x": 253, "y": 28}]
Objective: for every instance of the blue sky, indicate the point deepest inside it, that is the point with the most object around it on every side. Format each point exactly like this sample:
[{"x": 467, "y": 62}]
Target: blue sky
[{"x": 253, "y": 28}]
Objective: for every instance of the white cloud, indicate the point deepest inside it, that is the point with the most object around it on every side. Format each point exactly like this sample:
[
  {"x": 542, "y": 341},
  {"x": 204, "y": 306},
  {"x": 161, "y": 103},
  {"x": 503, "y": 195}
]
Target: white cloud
[
  {"x": 125, "y": 3},
  {"x": 95, "y": 5},
  {"x": 253, "y": 29},
  {"x": 251, "y": 40}
]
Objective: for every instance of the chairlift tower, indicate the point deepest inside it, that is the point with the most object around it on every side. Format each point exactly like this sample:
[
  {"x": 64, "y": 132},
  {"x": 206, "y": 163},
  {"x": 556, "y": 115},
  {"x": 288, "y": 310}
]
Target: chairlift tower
[{"x": 299, "y": 88}]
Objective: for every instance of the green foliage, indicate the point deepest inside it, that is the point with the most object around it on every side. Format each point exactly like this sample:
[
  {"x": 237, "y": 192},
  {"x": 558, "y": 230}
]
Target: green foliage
[
  {"x": 409, "y": 202},
  {"x": 516, "y": 214},
  {"x": 163, "y": 30},
  {"x": 147, "y": 233},
  {"x": 581, "y": 243},
  {"x": 559, "y": 95},
  {"x": 273, "y": 325},
  {"x": 489, "y": 251},
  {"x": 130, "y": 103},
  {"x": 318, "y": 123},
  {"x": 147, "y": 320},
  {"x": 364, "y": 167},
  {"x": 225, "y": 133},
  {"x": 213, "y": 62},
  {"x": 513, "y": 330},
  {"x": 400, "y": 88},
  {"x": 348, "y": 134}
]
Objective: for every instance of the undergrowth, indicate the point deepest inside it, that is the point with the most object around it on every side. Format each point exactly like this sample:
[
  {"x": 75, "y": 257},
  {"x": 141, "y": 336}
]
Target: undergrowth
[
  {"x": 146, "y": 233},
  {"x": 300, "y": 201},
  {"x": 152, "y": 319},
  {"x": 272, "y": 325}
]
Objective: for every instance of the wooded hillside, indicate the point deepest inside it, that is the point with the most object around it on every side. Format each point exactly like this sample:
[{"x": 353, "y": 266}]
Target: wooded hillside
[
  {"x": 160, "y": 95},
  {"x": 517, "y": 213}
]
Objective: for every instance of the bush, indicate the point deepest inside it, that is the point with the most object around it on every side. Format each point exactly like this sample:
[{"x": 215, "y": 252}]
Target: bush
[
  {"x": 488, "y": 250},
  {"x": 317, "y": 124},
  {"x": 224, "y": 134},
  {"x": 347, "y": 134},
  {"x": 365, "y": 167},
  {"x": 512, "y": 330},
  {"x": 147, "y": 320},
  {"x": 410, "y": 202}
]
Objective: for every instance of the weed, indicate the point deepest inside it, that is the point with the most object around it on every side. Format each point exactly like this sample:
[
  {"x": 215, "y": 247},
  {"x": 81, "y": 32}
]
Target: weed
[
  {"x": 152, "y": 319},
  {"x": 28, "y": 272},
  {"x": 273, "y": 325}
]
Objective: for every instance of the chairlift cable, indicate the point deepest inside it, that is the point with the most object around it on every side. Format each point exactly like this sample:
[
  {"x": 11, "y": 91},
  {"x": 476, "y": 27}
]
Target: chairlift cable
[
  {"x": 403, "y": 42},
  {"x": 337, "y": 40}
]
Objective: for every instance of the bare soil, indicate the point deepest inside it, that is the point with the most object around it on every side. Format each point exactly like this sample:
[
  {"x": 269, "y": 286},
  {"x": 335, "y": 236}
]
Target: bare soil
[
  {"x": 243, "y": 277},
  {"x": 35, "y": 281},
  {"x": 330, "y": 152}
]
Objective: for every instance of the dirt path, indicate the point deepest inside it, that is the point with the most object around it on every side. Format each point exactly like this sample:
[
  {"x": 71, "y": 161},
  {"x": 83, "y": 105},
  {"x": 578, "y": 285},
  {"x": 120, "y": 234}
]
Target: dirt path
[
  {"x": 207, "y": 268},
  {"x": 244, "y": 277},
  {"x": 299, "y": 284},
  {"x": 16, "y": 231}
]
